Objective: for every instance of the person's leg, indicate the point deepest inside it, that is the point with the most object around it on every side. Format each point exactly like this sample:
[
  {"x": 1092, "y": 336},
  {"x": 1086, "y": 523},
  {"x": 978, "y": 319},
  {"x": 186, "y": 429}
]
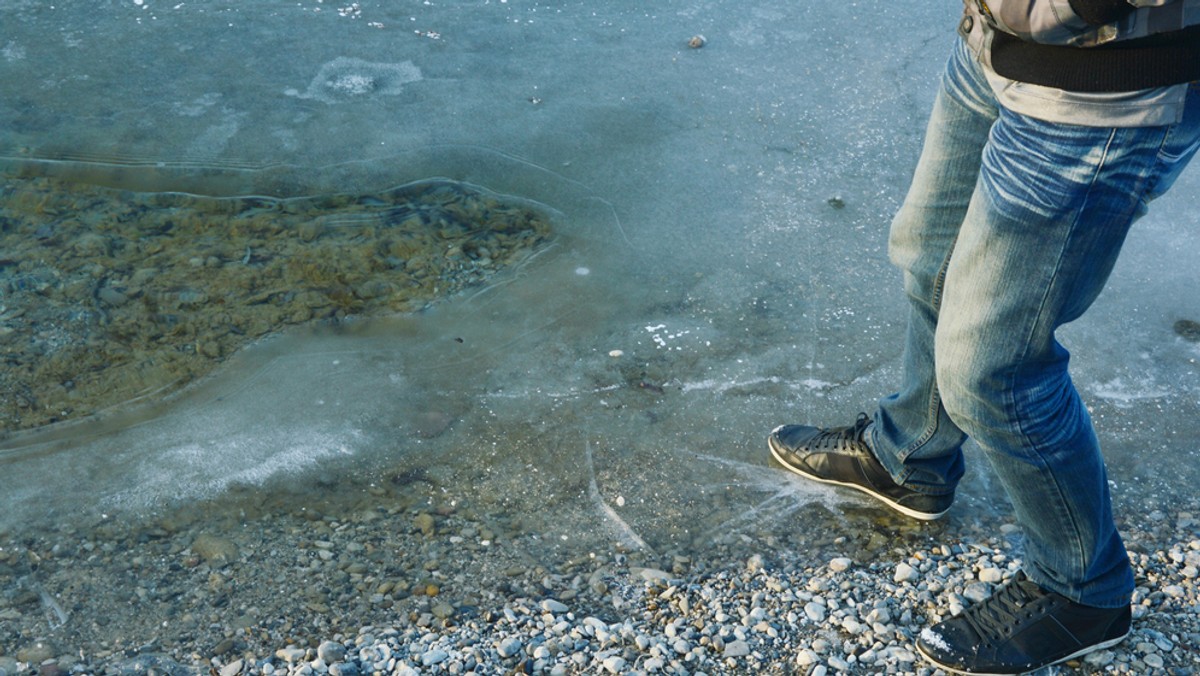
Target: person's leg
[
  {"x": 1042, "y": 234},
  {"x": 916, "y": 459},
  {"x": 912, "y": 436}
]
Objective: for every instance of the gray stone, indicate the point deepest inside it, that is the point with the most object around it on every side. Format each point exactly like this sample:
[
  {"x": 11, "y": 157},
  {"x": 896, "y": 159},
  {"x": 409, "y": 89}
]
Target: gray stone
[
  {"x": 36, "y": 653},
  {"x": 737, "y": 649},
  {"x": 232, "y": 669},
  {"x": 977, "y": 592},
  {"x": 331, "y": 652},
  {"x": 840, "y": 564},
  {"x": 815, "y": 611},
  {"x": 433, "y": 657},
  {"x": 556, "y": 607},
  {"x": 344, "y": 669},
  {"x": 615, "y": 664},
  {"x": 509, "y": 647},
  {"x": 290, "y": 654},
  {"x": 216, "y": 551}
]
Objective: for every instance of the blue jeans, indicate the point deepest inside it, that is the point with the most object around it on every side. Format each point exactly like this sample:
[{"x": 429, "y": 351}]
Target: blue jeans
[{"x": 1010, "y": 229}]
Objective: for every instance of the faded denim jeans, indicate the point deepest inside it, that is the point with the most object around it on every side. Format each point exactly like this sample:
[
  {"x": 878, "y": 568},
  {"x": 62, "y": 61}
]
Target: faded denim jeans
[{"x": 1010, "y": 229}]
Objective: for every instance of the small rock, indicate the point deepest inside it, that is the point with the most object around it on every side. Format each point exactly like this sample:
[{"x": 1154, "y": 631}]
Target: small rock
[
  {"x": 232, "y": 669},
  {"x": 216, "y": 551},
  {"x": 556, "y": 607},
  {"x": 331, "y": 652},
  {"x": 737, "y": 649},
  {"x": 223, "y": 647},
  {"x": 840, "y": 564},
  {"x": 754, "y": 563},
  {"x": 697, "y": 41},
  {"x": 651, "y": 574},
  {"x": 615, "y": 664},
  {"x": 290, "y": 654},
  {"x": 1153, "y": 661},
  {"x": 509, "y": 647},
  {"x": 977, "y": 592},
  {"x": 433, "y": 657},
  {"x": 1099, "y": 658},
  {"x": 424, "y": 523},
  {"x": 992, "y": 575},
  {"x": 905, "y": 573},
  {"x": 36, "y": 653},
  {"x": 344, "y": 669},
  {"x": 815, "y": 611},
  {"x": 110, "y": 296}
]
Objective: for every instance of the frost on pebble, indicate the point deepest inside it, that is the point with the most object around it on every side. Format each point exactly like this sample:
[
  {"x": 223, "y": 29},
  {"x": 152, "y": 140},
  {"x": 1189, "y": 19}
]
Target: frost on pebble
[{"x": 347, "y": 79}]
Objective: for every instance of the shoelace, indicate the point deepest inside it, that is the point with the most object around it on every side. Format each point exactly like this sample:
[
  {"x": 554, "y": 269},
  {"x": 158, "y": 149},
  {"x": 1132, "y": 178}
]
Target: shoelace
[
  {"x": 994, "y": 618},
  {"x": 838, "y": 437}
]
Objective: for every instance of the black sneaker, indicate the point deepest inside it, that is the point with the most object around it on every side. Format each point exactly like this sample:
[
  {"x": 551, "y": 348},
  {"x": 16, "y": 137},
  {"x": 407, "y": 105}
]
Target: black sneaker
[
  {"x": 840, "y": 456},
  {"x": 1022, "y": 627}
]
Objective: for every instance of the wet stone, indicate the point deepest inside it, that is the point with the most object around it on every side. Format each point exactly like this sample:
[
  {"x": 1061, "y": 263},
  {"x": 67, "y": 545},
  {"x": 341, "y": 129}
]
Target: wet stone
[
  {"x": 36, "y": 653},
  {"x": 216, "y": 551}
]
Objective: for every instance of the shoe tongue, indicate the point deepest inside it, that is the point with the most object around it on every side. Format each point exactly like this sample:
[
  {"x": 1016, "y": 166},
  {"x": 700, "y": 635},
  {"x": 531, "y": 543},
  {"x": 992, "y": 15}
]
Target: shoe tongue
[{"x": 1030, "y": 591}]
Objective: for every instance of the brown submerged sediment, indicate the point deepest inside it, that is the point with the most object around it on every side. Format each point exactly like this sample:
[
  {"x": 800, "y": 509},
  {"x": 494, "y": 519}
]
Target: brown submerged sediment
[{"x": 107, "y": 295}]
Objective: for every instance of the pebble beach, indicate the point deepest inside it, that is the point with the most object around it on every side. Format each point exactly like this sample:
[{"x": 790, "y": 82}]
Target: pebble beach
[{"x": 428, "y": 587}]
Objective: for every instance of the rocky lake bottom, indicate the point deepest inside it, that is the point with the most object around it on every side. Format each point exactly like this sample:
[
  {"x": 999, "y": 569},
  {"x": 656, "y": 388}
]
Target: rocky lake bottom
[{"x": 111, "y": 296}]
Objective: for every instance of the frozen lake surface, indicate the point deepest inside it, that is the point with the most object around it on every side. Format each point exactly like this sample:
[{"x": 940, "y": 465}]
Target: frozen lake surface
[{"x": 719, "y": 267}]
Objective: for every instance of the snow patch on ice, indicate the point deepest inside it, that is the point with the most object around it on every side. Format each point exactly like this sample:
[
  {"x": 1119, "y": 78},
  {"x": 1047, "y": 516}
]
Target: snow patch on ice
[
  {"x": 348, "y": 79},
  {"x": 1124, "y": 394}
]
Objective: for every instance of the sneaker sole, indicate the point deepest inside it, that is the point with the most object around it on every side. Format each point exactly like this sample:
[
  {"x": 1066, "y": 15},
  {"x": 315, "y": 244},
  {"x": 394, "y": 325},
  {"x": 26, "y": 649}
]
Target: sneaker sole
[
  {"x": 1079, "y": 653},
  {"x": 906, "y": 511}
]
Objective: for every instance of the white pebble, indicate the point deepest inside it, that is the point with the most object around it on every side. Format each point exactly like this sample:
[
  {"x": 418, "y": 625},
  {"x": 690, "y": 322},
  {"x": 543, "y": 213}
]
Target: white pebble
[
  {"x": 905, "y": 573},
  {"x": 815, "y": 611},
  {"x": 737, "y": 649},
  {"x": 615, "y": 664},
  {"x": 992, "y": 575}
]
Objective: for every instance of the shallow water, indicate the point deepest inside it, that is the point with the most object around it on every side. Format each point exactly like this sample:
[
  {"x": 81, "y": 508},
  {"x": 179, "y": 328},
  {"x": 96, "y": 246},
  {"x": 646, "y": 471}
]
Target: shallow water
[{"x": 718, "y": 266}]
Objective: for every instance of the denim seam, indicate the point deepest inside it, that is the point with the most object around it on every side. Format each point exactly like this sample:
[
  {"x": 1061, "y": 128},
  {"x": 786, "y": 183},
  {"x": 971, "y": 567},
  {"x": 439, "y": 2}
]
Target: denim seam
[
  {"x": 935, "y": 396},
  {"x": 1069, "y": 519}
]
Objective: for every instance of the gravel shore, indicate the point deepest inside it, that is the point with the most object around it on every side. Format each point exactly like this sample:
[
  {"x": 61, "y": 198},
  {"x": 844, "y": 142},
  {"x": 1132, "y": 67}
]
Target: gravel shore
[{"x": 392, "y": 585}]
